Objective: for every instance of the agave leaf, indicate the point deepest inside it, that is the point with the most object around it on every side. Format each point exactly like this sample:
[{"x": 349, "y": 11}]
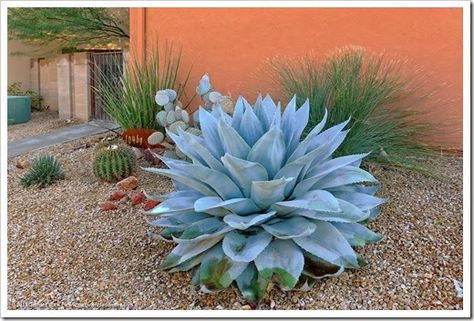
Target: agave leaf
[
  {"x": 244, "y": 222},
  {"x": 329, "y": 244},
  {"x": 244, "y": 172},
  {"x": 265, "y": 193},
  {"x": 318, "y": 172},
  {"x": 192, "y": 147},
  {"x": 344, "y": 176},
  {"x": 251, "y": 284},
  {"x": 269, "y": 151},
  {"x": 232, "y": 143},
  {"x": 287, "y": 268},
  {"x": 210, "y": 205},
  {"x": 178, "y": 220},
  {"x": 189, "y": 264},
  {"x": 245, "y": 247},
  {"x": 296, "y": 226},
  {"x": 317, "y": 268},
  {"x": 210, "y": 133},
  {"x": 175, "y": 205},
  {"x": 288, "y": 115},
  {"x": 314, "y": 141},
  {"x": 357, "y": 234},
  {"x": 294, "y": 168},
  {"x": 350, "y": 210},
  {"x": 328, "y": 216},
  {"x": 371, "y": 190},
  {"x": 218, "y": 181},
  {"x": 276, "y": 121},
  {"x": 294, "y": 123},
  {"x": 361, "y": 200},
  {"x": 250, "y": 128},
  {"x": 317, "y": 200},
  {"x": 208, "y": 228},
  {"x": 184, "y": 179},
  {"x": 243, "y": 206},
  {"x": 165, "y": 222},
  {"x": 265, "y": 110},
  {"x": 373, "y": 213},
  {"x": 239, "y": 109},
  {"x": 217, "y": 271},
  {"x": 331, "y": 165},
  {"x": 185, "y": 251}
]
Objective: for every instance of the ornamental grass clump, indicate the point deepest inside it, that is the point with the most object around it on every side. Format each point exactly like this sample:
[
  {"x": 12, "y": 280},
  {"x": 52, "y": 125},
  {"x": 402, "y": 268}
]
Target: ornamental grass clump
[
  {"x": 130, "y": 99},
  {"x": 256, "y": 205},
  {"x": 384, "y": 107}
]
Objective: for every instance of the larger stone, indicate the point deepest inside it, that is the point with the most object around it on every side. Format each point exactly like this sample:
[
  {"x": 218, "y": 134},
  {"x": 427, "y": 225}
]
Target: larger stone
[{"x": 128, "y": 183}]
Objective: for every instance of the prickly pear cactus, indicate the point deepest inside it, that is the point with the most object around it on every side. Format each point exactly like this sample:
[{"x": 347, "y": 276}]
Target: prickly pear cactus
[
  {"x": 173, "y": 118},
  {"x": 212, "y": 98}
]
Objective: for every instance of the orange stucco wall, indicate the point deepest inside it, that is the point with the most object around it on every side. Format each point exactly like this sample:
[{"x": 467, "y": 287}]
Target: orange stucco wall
[{"x": 232, "y": 44}]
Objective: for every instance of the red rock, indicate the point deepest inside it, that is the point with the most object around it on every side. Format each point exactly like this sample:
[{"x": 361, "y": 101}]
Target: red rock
[
  {"x": 137, "y": 198},
  {"x": 128, "y": 183},
  {"x": 118, "y": 195},
  {"x": 108, "y": 206},
  {"x": 149, "y": 204}
]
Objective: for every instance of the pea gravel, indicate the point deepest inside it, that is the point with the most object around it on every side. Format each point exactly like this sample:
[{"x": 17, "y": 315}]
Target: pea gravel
[
  {"x": 64, "y": 253},
  {"x": 41, "y": 122}
]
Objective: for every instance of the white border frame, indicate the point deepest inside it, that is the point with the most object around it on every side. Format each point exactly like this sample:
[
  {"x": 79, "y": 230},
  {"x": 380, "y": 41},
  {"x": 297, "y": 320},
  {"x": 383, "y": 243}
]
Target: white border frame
[{"x": 239, "y": 313}]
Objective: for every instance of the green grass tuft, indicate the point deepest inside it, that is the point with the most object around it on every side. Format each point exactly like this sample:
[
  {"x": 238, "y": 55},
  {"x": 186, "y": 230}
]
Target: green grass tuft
[
  {"x": 383, "y": 107},
  {"x": 44, "y": 171},
  {"x": 130, "y": 100}
]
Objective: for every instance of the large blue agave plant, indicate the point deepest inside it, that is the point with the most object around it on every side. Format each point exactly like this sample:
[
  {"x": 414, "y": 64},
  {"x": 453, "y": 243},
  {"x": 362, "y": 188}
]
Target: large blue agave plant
[{"x": 257, "y": 204}]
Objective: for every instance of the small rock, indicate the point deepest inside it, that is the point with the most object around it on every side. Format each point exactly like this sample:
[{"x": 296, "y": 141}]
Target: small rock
[
  {"x": 246, "y": 307},
  {"x": 22, "y": 164},
  {"x": 108, "y": 206},
  {"x": 138, "y": 153},
  {"x": 148, "y": 154},
  {"x": 102, "y": 286},
  {"x": 272, "y": 304},
  {"x": 294, "y": 299},
  {"x": 118, "y": 195},
  {"x": 156, "y": 138},
  {"x": 137, "y": 198},
  {"x": 150, "y": 204},
  {"x": 128, "y": 183},
  {"x": 459, "y": 288}
]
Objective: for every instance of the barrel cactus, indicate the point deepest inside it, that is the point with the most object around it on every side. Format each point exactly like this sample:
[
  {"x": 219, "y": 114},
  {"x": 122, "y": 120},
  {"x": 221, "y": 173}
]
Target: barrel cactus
[
  {"x": 258, "y": 205},
  {"x": 113, "y": 162}
]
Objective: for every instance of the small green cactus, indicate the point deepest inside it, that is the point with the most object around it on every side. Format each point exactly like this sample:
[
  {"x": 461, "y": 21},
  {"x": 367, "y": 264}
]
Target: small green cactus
[
  {"x": 44, "y": 171},
  {"x": 114, "y": 162}
]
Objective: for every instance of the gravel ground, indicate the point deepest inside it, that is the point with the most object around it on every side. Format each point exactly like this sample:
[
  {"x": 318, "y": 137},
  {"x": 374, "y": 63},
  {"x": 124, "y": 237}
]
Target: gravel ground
[
  {"x": 64, "y": 253},
  {"x": 41, "y": 122}
]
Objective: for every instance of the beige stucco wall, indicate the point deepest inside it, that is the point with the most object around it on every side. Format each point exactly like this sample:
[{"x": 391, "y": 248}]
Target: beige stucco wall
[
  {"x": 34, "y": 73},
  {"x": 48, "y": 79},
  {"x": 18, "y": 65}
]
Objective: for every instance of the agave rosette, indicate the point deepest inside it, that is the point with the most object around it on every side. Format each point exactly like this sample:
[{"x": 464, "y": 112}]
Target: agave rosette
[{"x": 257, "y": 204}]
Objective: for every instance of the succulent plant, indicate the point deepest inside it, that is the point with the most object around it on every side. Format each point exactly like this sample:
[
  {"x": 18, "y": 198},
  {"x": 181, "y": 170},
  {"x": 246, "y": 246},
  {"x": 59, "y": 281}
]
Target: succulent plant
[
  {"x": 44, "y": 171},
  {"x": 114, "y": 162},
  {"x": 171, "y": 118},
  {"x": 212, "y": 98},
  {"x": 257, "y": 205}
]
